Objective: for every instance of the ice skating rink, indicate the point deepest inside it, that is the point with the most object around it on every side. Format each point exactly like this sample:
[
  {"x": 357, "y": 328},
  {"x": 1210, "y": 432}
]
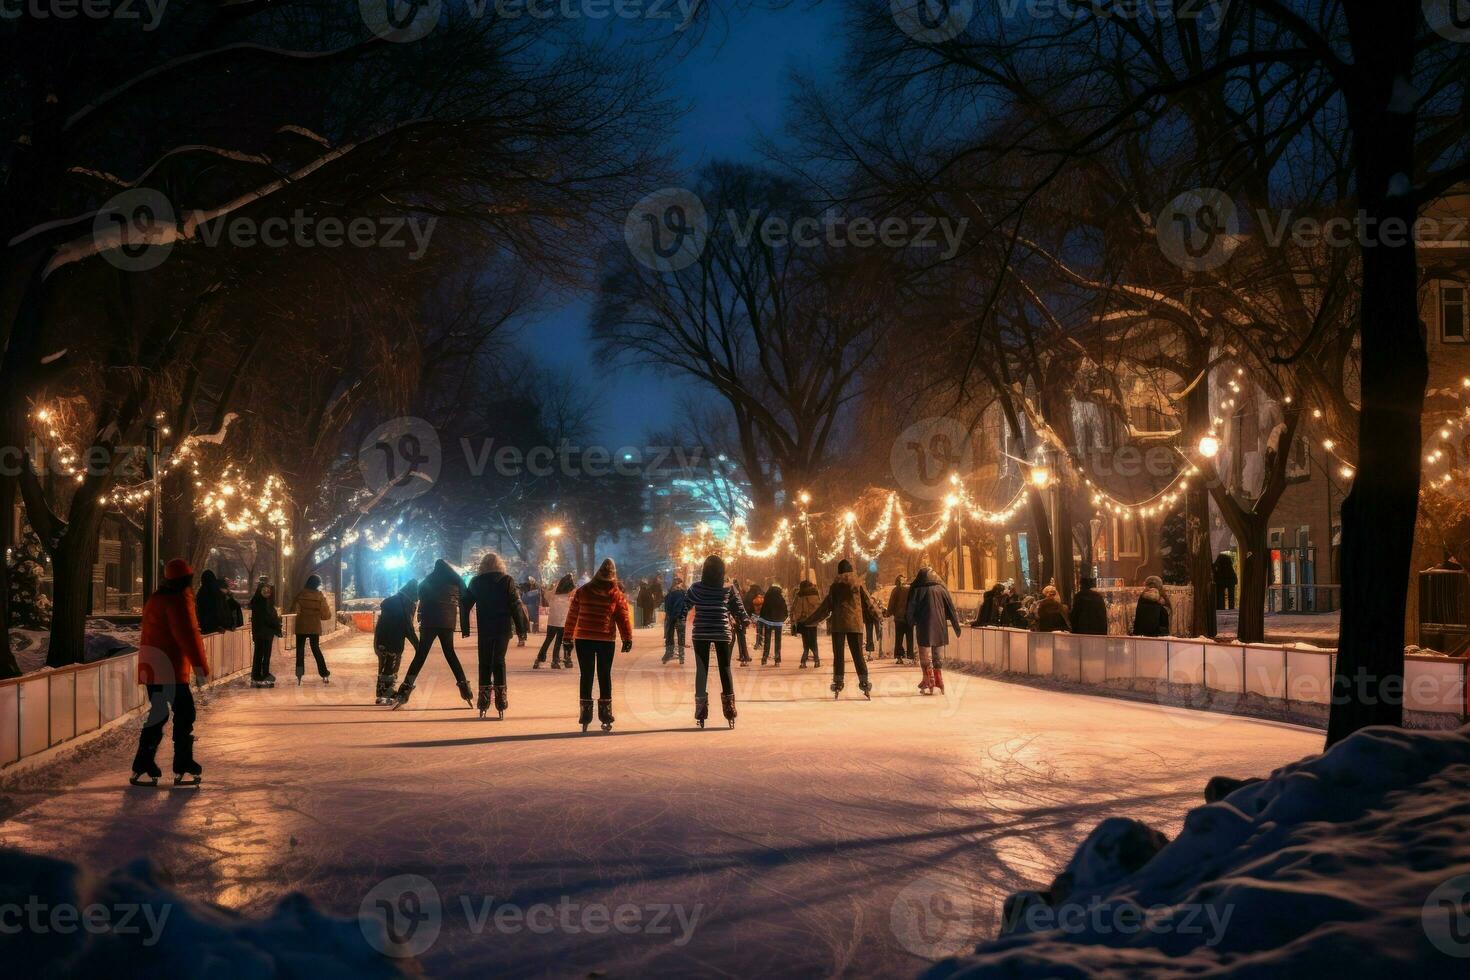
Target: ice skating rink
[{"x": 816, "y": 838}]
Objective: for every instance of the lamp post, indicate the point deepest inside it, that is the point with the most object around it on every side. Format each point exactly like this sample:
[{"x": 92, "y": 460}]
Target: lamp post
[
  {"x": 1041, "y": 480},
  {"x": 151, "y": 515}
]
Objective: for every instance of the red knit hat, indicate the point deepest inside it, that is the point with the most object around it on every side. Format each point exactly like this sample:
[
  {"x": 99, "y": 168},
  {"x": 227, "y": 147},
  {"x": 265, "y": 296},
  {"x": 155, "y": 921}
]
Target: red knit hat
[{"x": 177, "y": 568}]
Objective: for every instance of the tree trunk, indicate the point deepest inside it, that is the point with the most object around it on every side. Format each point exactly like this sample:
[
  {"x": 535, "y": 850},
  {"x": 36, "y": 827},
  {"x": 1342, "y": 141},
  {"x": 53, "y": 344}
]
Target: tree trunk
[
  {"x": 1255, "y": 575},
  {"x": 8, "y": 665},
  {"x": 71, "y": 599}
]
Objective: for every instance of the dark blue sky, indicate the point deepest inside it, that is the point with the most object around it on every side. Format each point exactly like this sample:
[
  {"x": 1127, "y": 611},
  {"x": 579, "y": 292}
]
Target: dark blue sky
[{"x": 736, "y": 85}]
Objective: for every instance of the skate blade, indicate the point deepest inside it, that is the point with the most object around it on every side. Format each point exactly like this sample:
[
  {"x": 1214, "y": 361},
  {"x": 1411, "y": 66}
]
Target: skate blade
[
  {"x": 140, "y": 780},
  {"x": 187, "y": 780}
]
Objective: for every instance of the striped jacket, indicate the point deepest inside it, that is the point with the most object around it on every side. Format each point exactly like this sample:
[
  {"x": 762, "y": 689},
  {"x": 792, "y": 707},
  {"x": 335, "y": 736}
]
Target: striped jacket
[
  {"x": 715, "y": 609},
  {"x": 599, "y": 611}
]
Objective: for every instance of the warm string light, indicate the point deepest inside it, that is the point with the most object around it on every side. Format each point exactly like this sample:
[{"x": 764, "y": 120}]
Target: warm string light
[{"x": 1450, "y": 435}]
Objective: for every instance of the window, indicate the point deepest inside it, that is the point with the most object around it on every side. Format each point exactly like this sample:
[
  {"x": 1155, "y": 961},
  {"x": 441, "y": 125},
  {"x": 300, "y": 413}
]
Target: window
[
  {"x": 1453, "y": 327},
  {"x": 1129, "y": 537}
]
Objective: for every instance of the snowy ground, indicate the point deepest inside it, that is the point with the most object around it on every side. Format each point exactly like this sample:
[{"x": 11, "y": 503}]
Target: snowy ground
[{"x": 816, "y": 838}]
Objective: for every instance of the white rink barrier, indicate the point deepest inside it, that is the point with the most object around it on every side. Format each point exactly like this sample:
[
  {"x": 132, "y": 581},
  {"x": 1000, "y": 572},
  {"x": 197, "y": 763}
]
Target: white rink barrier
[
  {"x": 1284, "y": 674},
  {"x": 44, "y": 709}
]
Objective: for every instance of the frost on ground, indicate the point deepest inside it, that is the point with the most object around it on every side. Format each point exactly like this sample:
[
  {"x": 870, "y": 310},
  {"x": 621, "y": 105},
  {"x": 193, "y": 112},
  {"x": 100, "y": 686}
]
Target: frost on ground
[
  {"x": 1355, "y": 862},
  {"x": 63, "y": 921}
]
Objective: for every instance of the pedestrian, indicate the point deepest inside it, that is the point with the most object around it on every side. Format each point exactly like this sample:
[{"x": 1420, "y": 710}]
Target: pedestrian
[
  {"x": 745, "y": 659},
  {"x": 439, "y": 598},
  {"x": 393, "y": 629},
  {"x": 597, "y": 616},
  {"x": 265, "y": 626},
  {"x": 773, "y": 618},
  {"x": 210, "y": 605},
  {"x": 1152, "y": 614},
  {"x": 234, "y": 612},
  {"x": 1051, "y": 613},
  {"x": 1225, "y": 581},
  {"x": 1089, "y": 610},
  {"x": 931, "y": 612},
  {"x": 646, "y": 603},
  {"x": 170, "y": 654},
  {"x": 675, "y": 623},
  {"x": 903, "y": 630},
  {"x": 556, "y": 619},
  {"x": 1013, "y": 613},
  {"x": 753, "y": 608},
  {"x": 312, "y": 610},
  {"x": 532, "y": 601},
  {"x": 872, "y": 626},
  {"x": 718, "y": 617},
  {"x": 803, "y": 604},
  {"x": 847, "y": 602},
  {"x": 501, "y": 612},
  {"x": 991, "y": 607}
]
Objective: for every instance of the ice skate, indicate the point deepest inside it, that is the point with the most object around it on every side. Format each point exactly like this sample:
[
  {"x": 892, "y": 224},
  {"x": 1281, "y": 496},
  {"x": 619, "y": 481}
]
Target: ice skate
[
  {"x": 816, "y": 663},
  {"x": 536, "y": 665},
  {"x": 502, "y": 700},
  {"x": 270, "y": 680},
  {"x": 298, "y": 680},
  {"x": 401, "y": 698},
  {"x": 584, "y": 715},
  {"x": 926, "y": 683},
  {"x": 866, "y": 688},
  {"x": 727, "y": 704},
  {"x": 555, "y": 664},
  {"x": 604, "y": 713},
  {"x": 145, "y": 775},
  {"x": 938, "y": 680},
  {"x": 836, "y": 690},
  {"x": 187, "y": 772},
  {"x": 701, "y": 709},
  {"x": 681, "y": 658},
  {"x": 483, "y": 701},
  {"x": 464, "y": 692}
]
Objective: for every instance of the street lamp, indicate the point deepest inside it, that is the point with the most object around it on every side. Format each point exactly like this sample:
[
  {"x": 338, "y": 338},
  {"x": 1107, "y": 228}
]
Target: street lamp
[
  {"x": 1040, "y": 476},
  {"x": 1209, "y": 446}
]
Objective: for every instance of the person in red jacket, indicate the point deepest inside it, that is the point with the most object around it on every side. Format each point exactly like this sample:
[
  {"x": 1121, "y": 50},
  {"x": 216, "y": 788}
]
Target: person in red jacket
[
  {"x": 170, "y": 653},
  {"x": 599, "y": 611}
]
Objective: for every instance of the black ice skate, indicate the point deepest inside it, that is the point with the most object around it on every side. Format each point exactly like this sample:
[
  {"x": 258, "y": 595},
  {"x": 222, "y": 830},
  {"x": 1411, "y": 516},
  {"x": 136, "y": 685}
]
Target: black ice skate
[
  {"x": 604, "y": 713},
  {"x": 187, "y": 772},
  {"x": 401, "y": 698},
  {"x": 866, "y": 688},
  {"x": 584, "y": 716},
  {"x": 145, "y": 774},
  {"x": 727, "y": 704},
  {"x": 464, "y": 692},
  {"x": 836, "y": 690},
  {"x": 502, "y": 700},
  {"x": 701, "y": 709},
  {"x": 483, "y": 702}
]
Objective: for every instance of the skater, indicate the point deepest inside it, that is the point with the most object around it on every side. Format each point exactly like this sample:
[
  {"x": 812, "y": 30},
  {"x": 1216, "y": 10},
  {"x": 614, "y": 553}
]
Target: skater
[
  {"x": 598, "y": 614},
  {"x": 556, "y": 619},
  {"x": 872, "y": 625},
  {"x": 717, "y": 610},
  {"x": 393, "y": 629},
  {"x": 1151, "y": 617},
  {"x": 170, "y": 653},
  {"x": 931, "y": 607},
  {"x": 532, "y": 601},
  {"x": 772, "y": 619},
  {"x": 745, "y": 659},
  {"x": 439, "y": 596},
  {"x": 803, "y": 604},
  {"x": 265, "y": 626},
  {"x": 847, "y": 602},
  {"x": 675, "y": 623},
  {"x": 903, "y": 631},
  {"x": 501, "y": 612},
  {"x": 1223, "y": 572},
  {"x": 1051, "y": 613},
  {"x": 312, "y": 609},
  {"x": 647, "y": 603},
  {"x": 210, "y": 605},
  {"x": 1089, "y": 610},
  {"x": 991, "y": 607}
]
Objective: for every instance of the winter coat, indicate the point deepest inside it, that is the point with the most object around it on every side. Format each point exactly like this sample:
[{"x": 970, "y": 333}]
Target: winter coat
[
  {"x": 898, "y": 603},
  {"x": 439, "y": 595},
  {"x": 210, "y": 606},
  {"x": 170, "y": 646},
  {"x": 265, "y": 622},
  {"x": 499, "y": 604},
  {"x": 847, "y": 602},
  {"x": 751, "y": 595},
  {"x": 930, "y": 608},
  {"x": 1012, "y": 615},
  {"x": 718, "y": 611},
  {"x": 991, "y": 609},
  {"x": 599, "y": 611},
  {"x": 1224, "y": 570},
  {"x": 1051, "y": 617},
  {"x": 1090, "y": 613},
  {"x": 1151, "y": 618},
  {"x": 673, "y": 603},
  {"x": 312, "y": 609},
  {"x": 395, "y": 623},
  {"x": 647, "y": 601},
  {"x": 556, "y": 612},
  {"x": 773, "y": 605},
  {"x": 532, "y": 601},
  {"x": 804, "y": 603},
  {"x": 236, "y": 611}
]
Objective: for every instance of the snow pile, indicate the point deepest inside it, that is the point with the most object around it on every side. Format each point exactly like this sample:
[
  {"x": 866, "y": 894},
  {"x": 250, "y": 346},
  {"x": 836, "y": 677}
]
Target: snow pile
[
  {"x": 102, "y": 640},
  {"x": 62, "y": 921},
  {"x": 1355, "y": 861}
]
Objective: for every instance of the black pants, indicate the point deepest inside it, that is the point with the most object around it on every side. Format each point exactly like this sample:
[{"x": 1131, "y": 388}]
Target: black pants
[
  {"x": 773, "y": 636},
  {"x": 873, "y": 636},
  {"x": 809, "y": 644},
  {"x": 854, "y": 643},
  {"x": 388, "y": 663},
  {"x": 701, "y": 667},
  {"x": 260, "y": 663},
  {"x": 903, "y": 639},
  {"x": 675, "y": 628},
  {"x": 316, "y": 651},
  {"x": 744, "y": 650},
  {"x": 162, "y": 697},
  {"x": 1224, "y": 597},
  {"x": 552, "y": 643},
  {"x": 595, "y": 655},
  {"x": 446, "y": 643},
  {"x": 493, "y": 645}
]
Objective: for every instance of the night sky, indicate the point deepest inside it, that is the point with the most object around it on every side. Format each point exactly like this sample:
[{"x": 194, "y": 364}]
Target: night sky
[{"x": 735, "y": 82}]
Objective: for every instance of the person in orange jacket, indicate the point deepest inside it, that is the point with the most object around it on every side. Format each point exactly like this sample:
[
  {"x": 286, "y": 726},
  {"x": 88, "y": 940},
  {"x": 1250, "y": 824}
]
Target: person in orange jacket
[
  {"x": 170, "y": 653},
  {"x": 599, "y": 613}
]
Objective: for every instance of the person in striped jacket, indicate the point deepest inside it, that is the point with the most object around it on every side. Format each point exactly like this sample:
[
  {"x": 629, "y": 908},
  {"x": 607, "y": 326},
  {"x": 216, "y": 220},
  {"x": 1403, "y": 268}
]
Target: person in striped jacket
[
  {"x": 597, "y": 615},
  {"x": 719, "y": 616}
]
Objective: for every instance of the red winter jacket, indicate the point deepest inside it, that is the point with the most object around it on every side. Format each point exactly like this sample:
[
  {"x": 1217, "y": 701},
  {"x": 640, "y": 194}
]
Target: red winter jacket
[
  {"x": 598, "y": 609},
  {"x": 170, "y": 647}
]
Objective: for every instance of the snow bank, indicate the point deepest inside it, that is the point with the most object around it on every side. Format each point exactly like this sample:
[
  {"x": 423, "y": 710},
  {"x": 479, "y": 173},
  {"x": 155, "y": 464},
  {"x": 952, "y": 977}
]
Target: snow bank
[
  {"x": 102, "y": 640},
  {"x": 72, "y": 923},
  {"x": 1355, "y": 862}
]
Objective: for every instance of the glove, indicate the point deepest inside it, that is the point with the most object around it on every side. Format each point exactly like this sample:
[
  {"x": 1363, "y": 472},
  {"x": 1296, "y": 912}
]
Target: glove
[{"x": 627, "y": 645}]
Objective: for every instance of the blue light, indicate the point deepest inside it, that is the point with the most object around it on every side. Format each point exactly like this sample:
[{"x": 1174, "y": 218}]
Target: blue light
[{"x": 394, "y": 562}]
